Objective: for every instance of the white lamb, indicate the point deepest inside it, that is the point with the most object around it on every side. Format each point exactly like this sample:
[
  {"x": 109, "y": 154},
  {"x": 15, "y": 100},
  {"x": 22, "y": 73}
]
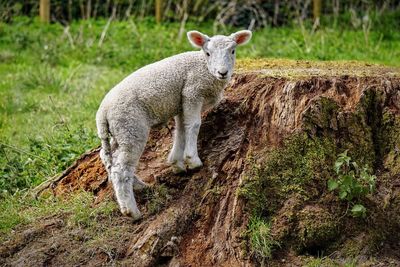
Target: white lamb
[{"x": 180, "y": 86}]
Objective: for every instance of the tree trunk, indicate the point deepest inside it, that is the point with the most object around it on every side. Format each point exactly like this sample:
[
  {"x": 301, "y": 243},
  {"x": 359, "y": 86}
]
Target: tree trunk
[
  {"x": 45, "y": 11},
  {"x": 317, "y": 9},
  {"x": 158, "y": 7}
]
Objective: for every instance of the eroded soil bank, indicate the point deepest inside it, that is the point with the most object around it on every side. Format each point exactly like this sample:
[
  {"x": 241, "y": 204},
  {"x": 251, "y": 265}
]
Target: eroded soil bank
[{"x": 268, "y": 148}]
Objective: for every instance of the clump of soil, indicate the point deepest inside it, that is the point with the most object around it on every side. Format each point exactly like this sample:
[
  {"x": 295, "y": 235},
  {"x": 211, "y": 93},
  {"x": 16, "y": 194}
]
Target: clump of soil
[{"x": 267, "y": 148}]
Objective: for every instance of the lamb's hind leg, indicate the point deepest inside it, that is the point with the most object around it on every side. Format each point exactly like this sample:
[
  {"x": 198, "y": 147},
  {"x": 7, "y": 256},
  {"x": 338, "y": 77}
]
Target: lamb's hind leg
[
  {"x": 176, "y": 155},
  {"x": 123, "y": 177},
  {"x": 105, "y": 154}
]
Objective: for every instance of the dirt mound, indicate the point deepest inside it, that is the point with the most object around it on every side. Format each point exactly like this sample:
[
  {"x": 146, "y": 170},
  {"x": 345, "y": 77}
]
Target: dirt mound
[{"x": 203, "y": 218}]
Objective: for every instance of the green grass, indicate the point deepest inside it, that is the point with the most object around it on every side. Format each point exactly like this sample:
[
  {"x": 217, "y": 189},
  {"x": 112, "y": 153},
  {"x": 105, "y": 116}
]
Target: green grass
[
  {"x": 259, "y": 235},
  {"x": 328, "y": 262},
  {"x": 24, "y": 209},
  {"x": 53, "y": 79}
]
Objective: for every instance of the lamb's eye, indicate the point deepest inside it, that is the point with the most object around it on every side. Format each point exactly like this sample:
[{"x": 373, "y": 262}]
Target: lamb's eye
[
  {"x": 208, "y": 54},
  {"x": 233, "y": 52}
]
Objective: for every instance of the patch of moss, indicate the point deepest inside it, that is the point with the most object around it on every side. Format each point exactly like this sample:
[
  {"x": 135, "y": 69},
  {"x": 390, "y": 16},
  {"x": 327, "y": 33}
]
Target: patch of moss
[
  {"x": 157, "y": 196},
  {"x": 316, "y": 227},
  {"x": 372, "y": 134},
  {"x": 298, "y": 167},
  {"x": 357, "y": 139},
  {"x": 319, "y": 262},
  {"x": 289, "y": 176},
  {"x": 353, "y": 131},
  {"x": 329, "y": 262},
  {"x": 321, "y": 116},
  {"x": 390, "y": 145},
  {"x": 356, "y": 131},
  {"x": 352, "y": 248},
  {"x": 357, "y": 246}
]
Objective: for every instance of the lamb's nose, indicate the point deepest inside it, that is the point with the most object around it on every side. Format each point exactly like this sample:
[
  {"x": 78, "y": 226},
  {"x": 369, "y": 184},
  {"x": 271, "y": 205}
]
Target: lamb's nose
[{"x": 223, "y": 73}]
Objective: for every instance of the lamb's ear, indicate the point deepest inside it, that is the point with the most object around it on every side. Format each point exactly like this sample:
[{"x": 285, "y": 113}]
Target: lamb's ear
[
  {"x": 197, "y": 39},
  {"x": 241, "y": 37}
]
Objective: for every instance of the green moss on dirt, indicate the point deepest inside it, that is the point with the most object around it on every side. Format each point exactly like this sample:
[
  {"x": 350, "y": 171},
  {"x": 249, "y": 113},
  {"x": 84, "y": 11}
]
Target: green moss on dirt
[
  {"x": 320, "y": 117},
  {"x": 298, "y": 167},
  {"x": 156, "y": 197},
  {"x": 361, "y": 244},
  {"x": 321, "y": 262},
  {"x": 350, "y": 130},
  {"x": 288, "y": 177},
  {"x": 390, "y": 136},
  {"x": 317, "y": 226}
]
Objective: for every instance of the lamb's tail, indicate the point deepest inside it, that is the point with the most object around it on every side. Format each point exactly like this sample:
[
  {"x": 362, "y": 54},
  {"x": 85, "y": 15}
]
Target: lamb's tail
[{"x": 103, "y": 132}]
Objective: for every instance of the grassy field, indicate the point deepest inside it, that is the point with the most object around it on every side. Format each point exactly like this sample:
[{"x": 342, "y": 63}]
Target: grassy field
[{"x": 53, "y": 78}]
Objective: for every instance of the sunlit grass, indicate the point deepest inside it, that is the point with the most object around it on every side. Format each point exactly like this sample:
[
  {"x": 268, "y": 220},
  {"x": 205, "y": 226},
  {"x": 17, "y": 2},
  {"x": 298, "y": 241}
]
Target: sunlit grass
[
  {"x": 76, "y": 211},
  {"x": 262, "y": 243}
]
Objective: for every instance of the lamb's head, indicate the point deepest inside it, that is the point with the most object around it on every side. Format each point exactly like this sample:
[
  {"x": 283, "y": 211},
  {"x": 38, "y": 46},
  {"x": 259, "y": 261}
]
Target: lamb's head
[{"x": 219, "y": 50}]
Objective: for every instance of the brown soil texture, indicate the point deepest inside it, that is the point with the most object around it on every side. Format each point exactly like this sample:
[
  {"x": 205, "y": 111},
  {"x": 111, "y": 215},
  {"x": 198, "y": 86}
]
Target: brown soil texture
[{"x": 204, "y": 220}]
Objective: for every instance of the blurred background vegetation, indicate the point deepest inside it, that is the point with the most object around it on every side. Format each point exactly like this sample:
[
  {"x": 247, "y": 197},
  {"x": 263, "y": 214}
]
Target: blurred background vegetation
[
  {"x": 239, "y": 13},
  {"x": 54, "y": 75}
]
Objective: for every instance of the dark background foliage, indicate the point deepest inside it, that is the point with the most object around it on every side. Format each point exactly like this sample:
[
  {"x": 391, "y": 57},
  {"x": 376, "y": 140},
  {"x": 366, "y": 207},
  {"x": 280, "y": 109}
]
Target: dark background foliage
[{"x": 240, "y": 13}]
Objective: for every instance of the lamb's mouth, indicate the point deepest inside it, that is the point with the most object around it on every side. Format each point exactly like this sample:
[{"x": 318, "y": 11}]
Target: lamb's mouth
[{"x": 222, "y": 78}]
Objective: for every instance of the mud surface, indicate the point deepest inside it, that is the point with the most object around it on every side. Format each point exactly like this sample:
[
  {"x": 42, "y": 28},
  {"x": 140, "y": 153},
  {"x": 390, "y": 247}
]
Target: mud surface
[{"x": 203, "y": 221}]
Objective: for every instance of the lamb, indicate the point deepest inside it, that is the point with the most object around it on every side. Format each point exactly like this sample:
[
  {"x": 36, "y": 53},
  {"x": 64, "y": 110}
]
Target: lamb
[{"x": 180, "y": 86}]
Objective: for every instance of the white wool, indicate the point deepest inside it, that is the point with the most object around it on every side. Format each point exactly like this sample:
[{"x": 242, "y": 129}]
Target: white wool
[{"x": 180, "y": 86}]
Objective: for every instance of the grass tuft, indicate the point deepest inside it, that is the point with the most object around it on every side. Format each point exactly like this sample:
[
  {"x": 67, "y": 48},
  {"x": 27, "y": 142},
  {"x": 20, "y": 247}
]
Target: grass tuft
[
  {"x": 261, "y": 241},
  {"x": 44, "y": 78}
]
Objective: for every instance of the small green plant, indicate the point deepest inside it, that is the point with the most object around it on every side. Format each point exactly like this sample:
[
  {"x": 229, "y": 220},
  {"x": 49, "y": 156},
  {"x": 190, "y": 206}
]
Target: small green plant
[
  {"x": 261, "y": 240},
  {"x": 352, "y": 183}
]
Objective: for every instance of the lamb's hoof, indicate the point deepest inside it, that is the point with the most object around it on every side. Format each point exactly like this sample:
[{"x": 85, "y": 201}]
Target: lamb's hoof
[
  {"x": 136, "y": 215},
  {"x": 173, "y": 158},
  {"x": 138, "y": 184},
  {"x": 194, "y": 163},
  {"x": 178, "y": 167}
]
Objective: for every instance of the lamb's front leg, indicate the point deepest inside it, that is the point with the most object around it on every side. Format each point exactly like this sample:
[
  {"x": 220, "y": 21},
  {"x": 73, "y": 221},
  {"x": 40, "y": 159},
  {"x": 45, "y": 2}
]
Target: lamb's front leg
[
  {"x": 176, "y": 155},
  {"x": 192, "y": 122}
]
